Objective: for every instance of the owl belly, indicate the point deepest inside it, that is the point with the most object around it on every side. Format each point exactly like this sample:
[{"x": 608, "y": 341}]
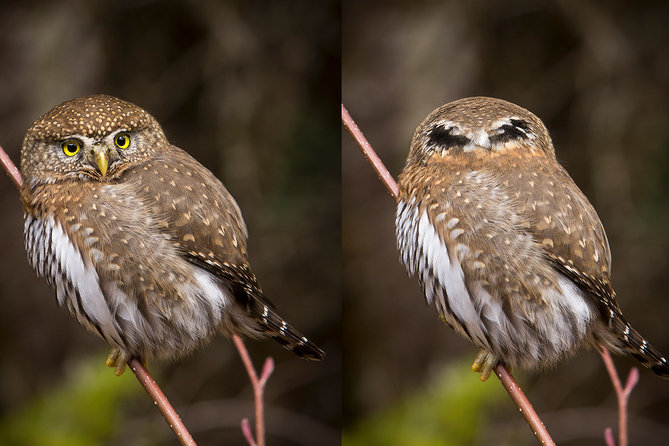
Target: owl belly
[
  {"x": 139, "y": 318},
  {"x": 517, "y": 329}
]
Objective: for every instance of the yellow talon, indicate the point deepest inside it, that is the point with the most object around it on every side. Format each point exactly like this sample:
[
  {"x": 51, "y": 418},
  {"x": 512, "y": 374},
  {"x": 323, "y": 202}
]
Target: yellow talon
[
  {"x": 484, "y": 363},
  {"x": 117, "y": 359}
]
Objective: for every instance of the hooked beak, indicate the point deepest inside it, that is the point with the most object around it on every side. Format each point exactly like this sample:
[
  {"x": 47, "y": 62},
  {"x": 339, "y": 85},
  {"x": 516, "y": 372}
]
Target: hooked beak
[{"x": 101, "y": 159}]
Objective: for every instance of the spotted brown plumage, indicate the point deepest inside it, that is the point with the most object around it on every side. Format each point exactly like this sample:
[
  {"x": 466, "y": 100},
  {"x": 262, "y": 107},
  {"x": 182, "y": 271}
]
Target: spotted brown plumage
[
  {"x": 142, "y": 243},
  {"x": 505, "y": 245}
]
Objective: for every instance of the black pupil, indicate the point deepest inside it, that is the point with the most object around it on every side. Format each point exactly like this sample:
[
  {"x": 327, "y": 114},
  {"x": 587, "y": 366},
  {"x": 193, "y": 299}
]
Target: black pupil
[
  {"x": 121, "y": 140},
  {"x": 71, "y": 146}
]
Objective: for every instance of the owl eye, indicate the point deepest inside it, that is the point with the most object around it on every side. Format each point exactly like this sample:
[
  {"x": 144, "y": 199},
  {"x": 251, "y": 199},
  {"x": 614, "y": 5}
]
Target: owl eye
[
  {"x": 514, "y": 128},
  {"x": 71, "y": 147},
  {"x": 122, "y": 140},
  {"x": 445, "y": 138}
]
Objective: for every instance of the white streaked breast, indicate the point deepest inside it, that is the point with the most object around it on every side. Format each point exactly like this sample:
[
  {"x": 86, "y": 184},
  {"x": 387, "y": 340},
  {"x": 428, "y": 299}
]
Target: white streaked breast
[
  {"x": 450, "y": 275},
  {"x": 82, "y": 276}
]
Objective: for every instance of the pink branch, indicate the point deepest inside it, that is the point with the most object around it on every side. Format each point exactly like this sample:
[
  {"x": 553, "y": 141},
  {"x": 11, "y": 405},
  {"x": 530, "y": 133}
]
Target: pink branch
[
  {"x": 248, "y": 434},
  {"x": 136, "y": 366},
  {"x": 258, "y": 390},
  {"x": 369, "y": 153},
  {"x": 163, "y": 404},
  {"x": 623, "y": 394},
  {"x": 507, "y": 380},
  {"x": 10, "y": 168},
  {"x": 515, "y": 392},
  {"x": 609, "y": 439}
]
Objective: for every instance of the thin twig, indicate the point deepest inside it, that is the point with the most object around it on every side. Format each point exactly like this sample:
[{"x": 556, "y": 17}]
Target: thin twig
[
  {"x": 161, "y": 401},
  {"x": 507, "y": 380},
  {"x": 623, "y": 394},
  {"x": 10, "y": 168},
  {"x": 258, "y": 390},
  {"x": 524, "y": 405},
  {"x": 248, "y": 434},
  {"x": 369, "y": 153},
  {"x": 609, "y": 439},
  {"x": 136, "y": 366}
]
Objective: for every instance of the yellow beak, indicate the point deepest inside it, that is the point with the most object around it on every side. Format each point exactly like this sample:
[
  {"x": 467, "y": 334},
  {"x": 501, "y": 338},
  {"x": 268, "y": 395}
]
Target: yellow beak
[{"x": 102, "y": 161}]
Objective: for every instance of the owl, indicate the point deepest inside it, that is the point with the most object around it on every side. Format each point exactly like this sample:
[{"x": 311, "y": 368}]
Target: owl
[
  {"x": 506, "y": 247},
  {"x": 143, "y": 245}
]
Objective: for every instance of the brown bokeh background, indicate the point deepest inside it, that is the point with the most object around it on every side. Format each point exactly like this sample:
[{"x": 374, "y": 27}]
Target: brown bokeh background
[
  {"x": 249, "y": 88},
  {"x": 252, "y": 89},
  {"x": 598, "y": 75}
]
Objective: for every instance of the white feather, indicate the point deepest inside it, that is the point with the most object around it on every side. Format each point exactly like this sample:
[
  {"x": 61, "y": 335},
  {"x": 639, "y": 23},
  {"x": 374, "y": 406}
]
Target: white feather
[
  {"x": 480, "y": 138},
  {"x": 83, "y": 277},
  {"x": 571, "y": 301},
  {"x": 552, "y": 324},
  {"x": 210, "y": 289},
  {"x": 450, "y": 275},
  {"x": 406, "y": 223}
]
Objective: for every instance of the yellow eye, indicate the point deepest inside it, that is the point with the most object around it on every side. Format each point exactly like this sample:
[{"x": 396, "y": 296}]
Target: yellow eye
[
  {"x": 122, "y": 140},
  {"x": 71, "y": 147}
]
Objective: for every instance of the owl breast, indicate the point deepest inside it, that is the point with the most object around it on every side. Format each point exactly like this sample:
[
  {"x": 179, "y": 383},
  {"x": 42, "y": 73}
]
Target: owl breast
[
  {"x": 121, "y": 281},
  {"x": 465, "y": 235}
]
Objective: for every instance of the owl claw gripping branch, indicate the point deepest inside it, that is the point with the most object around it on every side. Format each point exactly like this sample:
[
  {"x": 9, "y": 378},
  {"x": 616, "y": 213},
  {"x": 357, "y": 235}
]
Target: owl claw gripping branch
[
  {"x": 143, "y": 244},
  {"x": 504, "y": 244}
]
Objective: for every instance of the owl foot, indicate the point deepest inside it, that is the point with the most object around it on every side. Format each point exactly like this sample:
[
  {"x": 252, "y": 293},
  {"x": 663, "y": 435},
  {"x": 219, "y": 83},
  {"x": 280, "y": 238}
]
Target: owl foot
[
  {"x": 484, "y": 363},
  {"x": 117, "y": 359}
]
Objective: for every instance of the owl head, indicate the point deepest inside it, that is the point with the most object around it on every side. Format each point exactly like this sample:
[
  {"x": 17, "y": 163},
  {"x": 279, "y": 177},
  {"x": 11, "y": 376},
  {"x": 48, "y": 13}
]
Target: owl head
[
  {"x": 91, "y": 138},
  {"x": 479, "y": 127}
]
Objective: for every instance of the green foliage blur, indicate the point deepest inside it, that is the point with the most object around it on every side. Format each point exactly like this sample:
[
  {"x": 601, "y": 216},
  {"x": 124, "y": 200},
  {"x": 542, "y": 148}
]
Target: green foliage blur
[
  {"x": 447, "y": 411},
  {"x": 84, "y": 409}
]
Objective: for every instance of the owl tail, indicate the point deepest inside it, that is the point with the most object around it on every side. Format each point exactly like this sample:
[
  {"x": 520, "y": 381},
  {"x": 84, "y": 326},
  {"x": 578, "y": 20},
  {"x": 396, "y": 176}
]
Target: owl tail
[
  {"x": 275, "y": 327},
  {"x": 635, "y": 345}
]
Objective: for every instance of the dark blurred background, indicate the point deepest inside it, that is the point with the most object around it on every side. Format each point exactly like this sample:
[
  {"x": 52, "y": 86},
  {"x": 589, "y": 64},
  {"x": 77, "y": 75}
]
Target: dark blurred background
[
  {"x": 597, "y": 73},
  {"x": 249, "y": 88}
]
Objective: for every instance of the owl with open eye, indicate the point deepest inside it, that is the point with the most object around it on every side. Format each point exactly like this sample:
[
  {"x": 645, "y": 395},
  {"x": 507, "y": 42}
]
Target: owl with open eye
[
  {"x": 143, "y": 245},
  {"x": 506, "y": 247}
]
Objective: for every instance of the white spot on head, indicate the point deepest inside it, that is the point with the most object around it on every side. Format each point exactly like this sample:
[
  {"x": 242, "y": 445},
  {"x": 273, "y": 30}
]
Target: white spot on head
[{"x": 481, "y": 138}]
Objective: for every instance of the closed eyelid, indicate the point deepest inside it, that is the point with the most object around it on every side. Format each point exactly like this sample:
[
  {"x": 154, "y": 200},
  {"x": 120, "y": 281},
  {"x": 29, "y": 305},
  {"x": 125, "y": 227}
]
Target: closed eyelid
[{"x": 445, "y": 137}]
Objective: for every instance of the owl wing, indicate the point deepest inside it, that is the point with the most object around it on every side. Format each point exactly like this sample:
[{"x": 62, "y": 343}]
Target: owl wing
[
  {"x": 207, "y": 228},
  {"x": 568, "y": 228},
  {"x": 574, "y": 240}
]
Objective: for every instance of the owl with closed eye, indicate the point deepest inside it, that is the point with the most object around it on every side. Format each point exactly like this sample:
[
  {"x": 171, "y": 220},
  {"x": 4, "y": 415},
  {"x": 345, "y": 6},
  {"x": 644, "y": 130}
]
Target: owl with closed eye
[
  {"x": 142, "y": 244},
  {"x": 506, "y": 247}
]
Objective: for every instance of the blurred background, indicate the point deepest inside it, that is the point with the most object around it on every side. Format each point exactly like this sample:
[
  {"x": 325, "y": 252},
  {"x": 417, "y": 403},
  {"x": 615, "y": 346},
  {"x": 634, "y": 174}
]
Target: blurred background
[
  {"x": 598, "y": 76},
  {"x": 249, "y": 88}
]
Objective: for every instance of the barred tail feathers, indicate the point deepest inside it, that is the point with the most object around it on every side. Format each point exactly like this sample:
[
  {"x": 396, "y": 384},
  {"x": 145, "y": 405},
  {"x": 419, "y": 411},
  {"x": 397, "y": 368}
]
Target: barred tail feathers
[
  {"x": 258, "y": 316},
  {"x": 283, "y": 333},
  {"x": 636, "y": 345}
]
